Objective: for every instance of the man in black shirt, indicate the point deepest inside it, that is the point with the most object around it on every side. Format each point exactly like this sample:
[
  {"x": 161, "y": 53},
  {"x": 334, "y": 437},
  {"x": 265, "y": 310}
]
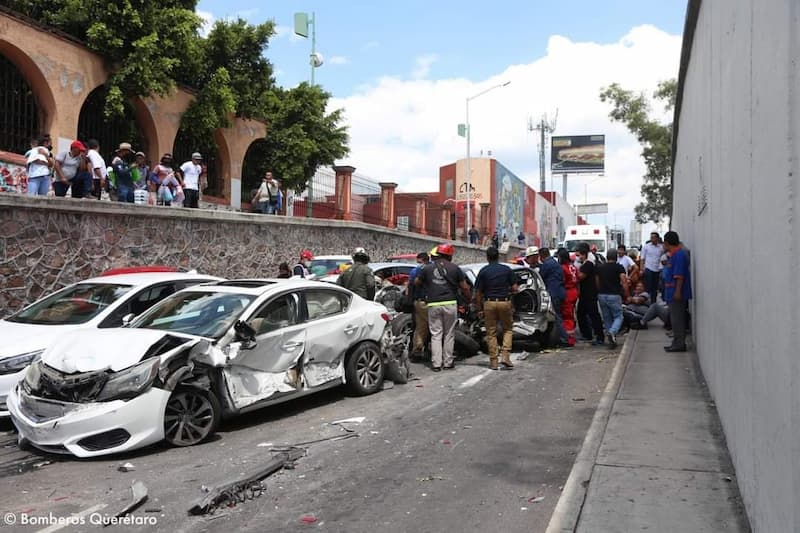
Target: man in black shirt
[
  {"x": 494, "y": 285},
  {"x": 442, "y": 279},
  {"x": 588, "y": 316},
  {"x": 612, "y": 284}
]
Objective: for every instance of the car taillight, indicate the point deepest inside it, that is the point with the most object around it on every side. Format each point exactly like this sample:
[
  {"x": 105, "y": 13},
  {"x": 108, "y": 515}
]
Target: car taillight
[
  {"x": 574, "y": 232},
  {"x": 597, "y": 232},
  {"x": 386, "y": 317}
]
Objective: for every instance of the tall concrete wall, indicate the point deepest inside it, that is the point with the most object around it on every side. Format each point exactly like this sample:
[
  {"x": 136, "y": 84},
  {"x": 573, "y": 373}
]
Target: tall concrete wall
[
  {"x": 46, "y": 243},
  {"x": 736, "y": 206}
]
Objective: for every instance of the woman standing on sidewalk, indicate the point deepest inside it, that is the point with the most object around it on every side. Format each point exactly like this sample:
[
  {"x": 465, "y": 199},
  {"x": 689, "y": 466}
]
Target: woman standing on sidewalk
[{"x": 571, "y": 286}]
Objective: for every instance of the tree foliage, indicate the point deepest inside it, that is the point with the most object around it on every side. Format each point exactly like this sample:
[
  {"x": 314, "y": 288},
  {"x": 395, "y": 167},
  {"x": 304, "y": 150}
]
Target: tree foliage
[
  {"x": 634, "y": 111},
  {"x": 153, "y": 46}
]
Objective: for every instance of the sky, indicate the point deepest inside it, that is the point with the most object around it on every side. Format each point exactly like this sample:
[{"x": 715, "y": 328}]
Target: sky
[{"x": 402, "y": 72}]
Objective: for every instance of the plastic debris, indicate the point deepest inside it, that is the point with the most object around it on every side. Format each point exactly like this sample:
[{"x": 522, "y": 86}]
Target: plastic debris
[
  {"x": 579, "y": 399},
  {"x": 264, "y": 445},
  {"x": 387, "y": 385},
  {"x": 522, "y": 356},
  {"x": 430, "y": 478},
  {"x": 127, "y": 467},
  {"x": 729, "y": 479},
  {"x": 138, "y": 497},
  {"x": 354, "y": 420},
  {"x": 536, "y": 499},
  {"x": 308, "y": 519},
  {"x": 523, "y": 508}
]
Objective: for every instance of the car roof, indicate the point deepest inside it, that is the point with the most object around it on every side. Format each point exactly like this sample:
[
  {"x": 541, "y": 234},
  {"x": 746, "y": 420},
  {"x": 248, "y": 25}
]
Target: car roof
[
  {"x": 259, "y": 286},
  {"x": 375, "y": 266},
  {"x": 148, "y": 278},
  {"x": 475, "y": 267},
  {"x": 336, "y": 257}
]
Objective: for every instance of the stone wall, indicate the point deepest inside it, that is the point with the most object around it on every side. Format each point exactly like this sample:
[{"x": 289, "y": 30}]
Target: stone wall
[{"x": 47, "y": 242}]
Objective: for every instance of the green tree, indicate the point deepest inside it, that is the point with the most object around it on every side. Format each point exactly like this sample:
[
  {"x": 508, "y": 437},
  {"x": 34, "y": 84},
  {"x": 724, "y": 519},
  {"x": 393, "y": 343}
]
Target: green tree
[{"x": 634, "y": 111}]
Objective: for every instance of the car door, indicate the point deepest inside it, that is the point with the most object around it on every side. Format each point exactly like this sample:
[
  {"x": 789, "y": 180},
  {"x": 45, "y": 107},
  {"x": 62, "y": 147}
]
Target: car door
[
  {"x": 270, "y": 367},
  {"x": 330, "y": 331}
]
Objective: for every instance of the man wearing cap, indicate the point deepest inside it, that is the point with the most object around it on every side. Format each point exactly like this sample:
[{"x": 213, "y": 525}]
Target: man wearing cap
[
  {"x": 70, "y": 168},
  {"x": 493, "y": 288},
  {"x": 532, "y": 256},
  {"x": 191, "y": 173},
  {"x": 122, "y": 175}
]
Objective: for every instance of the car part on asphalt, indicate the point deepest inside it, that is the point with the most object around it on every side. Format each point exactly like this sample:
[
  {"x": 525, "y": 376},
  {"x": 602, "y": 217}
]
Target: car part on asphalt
[
  {"x": 138, "y": 497},
  {"x": 241, "y": 489}
]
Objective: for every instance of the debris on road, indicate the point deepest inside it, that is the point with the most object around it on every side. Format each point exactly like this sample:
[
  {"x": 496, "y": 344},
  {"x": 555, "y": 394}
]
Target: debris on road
[
  {"x": 522, "y": 356},
  {"x": 430, "y": 478},
  {"x": 579, "y": 399},
  {"x": 354, "y": 420},
  {"x": 536, "y": 499},
  {"x": 127, "y": 467},
  {"x": 729, "y": 479},
  {"x": 264, "y": 445},
  {"x": 240, "y": 489},
  {"x": 138, "y": 497},
  {"x": 308, "y": 519},
  {"x": 387, "y": 384}
]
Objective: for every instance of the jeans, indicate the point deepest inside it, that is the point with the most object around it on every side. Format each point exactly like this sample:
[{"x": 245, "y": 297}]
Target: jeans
[
  {"x": 651, "y": 284},
  {"x": 39, "y": 186},
  {"x": 562, "y": 335},
  {"x": 125, "y": 194},
  {"x": 81, "y": 185},
  {"x": 656, "y": 310},
  {"x": 60, "y": 188},
  {"x": 191, "y": 198},
  {"x": 442, "y": 323},
  {"x": 611, "y": 307},
  {"x": 266, "y": 208}
]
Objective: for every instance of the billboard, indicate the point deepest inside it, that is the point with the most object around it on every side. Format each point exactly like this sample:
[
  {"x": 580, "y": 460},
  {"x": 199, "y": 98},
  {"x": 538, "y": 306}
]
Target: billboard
[
  {"x": 577, "y": 153},
  {"x": 592, "y": 209},
  {"x": 509, "y": 203}
]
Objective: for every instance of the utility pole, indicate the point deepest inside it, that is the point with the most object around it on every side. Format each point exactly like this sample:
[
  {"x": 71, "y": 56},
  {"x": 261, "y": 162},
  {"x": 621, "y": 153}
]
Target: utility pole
[{"x": 544, "y": 127}]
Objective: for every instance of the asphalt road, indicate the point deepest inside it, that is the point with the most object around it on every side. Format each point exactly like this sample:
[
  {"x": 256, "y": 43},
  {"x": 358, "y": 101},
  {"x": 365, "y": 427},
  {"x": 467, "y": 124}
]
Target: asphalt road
[{"x": 462, "y": 450}]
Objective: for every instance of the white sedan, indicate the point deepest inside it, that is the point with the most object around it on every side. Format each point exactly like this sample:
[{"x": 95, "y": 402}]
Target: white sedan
[
  {"x": 207, "y": 352},
  {"x": 99, "y": 302}
]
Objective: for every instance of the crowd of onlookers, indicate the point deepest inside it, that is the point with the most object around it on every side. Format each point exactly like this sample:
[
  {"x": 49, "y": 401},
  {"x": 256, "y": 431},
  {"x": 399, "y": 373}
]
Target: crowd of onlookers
[{"x": 81, "y": 172}]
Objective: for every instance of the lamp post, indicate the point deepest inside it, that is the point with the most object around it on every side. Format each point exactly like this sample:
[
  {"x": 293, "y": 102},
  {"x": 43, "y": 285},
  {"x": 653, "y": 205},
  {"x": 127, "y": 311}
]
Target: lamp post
[
  {"x": 469, "y": 157},
  {"x": 585, "y": 188}
]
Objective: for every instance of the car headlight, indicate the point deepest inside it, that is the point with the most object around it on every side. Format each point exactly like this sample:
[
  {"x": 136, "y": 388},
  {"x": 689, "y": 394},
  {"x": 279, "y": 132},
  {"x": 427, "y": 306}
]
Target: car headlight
[
  {"x": 130, "y": 382},
  {"x": 33, "y": 376},
  {"x": 9, "y": 365}
]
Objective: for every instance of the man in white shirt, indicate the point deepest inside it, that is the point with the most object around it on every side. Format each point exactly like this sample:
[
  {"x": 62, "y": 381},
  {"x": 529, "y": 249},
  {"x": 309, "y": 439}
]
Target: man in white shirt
[
  {"x": 191, "y": 172},
  {"x": 98, "y": 168},
  {"x": 623, "y": 259},
  {"x": 651, "y": 261}
]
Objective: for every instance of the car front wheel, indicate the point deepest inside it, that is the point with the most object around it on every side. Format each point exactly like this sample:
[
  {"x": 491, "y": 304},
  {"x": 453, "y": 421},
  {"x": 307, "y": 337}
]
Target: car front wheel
[
  {"x": 191, "y": 416},
  {"x": 364, "y": 369}
]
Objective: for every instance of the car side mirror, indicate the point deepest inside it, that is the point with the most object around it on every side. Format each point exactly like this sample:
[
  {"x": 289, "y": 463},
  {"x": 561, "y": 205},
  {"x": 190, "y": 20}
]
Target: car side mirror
[
  {"x": 246, "y": 334},
  {"x": 127, "y": 319}
]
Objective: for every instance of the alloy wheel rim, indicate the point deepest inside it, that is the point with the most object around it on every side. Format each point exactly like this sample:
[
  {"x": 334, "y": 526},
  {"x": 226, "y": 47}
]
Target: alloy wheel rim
[
  {"x": 368, "y": 368},
  {"x": 188, "y": 418}
]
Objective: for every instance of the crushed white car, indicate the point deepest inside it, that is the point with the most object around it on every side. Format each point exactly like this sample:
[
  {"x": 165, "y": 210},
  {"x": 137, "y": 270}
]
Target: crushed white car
[
  {"x": 207, "y": 352},
  {"x": 99, "y": 302}
]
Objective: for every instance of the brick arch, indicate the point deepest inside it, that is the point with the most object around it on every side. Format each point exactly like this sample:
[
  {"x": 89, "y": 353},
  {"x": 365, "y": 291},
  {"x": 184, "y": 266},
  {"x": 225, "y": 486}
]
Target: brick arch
[
  {"x": 36, "y": 80},
  {"x": 147, "y": 125}
]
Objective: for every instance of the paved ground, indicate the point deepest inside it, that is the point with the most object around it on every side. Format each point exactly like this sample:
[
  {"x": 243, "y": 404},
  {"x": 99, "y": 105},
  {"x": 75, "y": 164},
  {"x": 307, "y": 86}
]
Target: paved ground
[{"x": 463, "y": 450}]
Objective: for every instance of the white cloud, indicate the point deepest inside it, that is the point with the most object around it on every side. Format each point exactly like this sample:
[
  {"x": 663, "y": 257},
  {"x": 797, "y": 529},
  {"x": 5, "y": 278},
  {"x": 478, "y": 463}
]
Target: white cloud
[
  {"x": 208, "y": 22},
  {"x": 422, "y": 65},
  {"x": 404, "y": 130},
  {"x": 370, "y": 45},
  {"x": 287, "y": 32},
  {"x": 338, "y": 60}
]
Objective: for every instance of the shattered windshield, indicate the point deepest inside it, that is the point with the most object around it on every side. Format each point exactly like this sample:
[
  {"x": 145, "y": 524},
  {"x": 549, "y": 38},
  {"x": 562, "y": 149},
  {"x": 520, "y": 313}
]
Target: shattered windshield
[
  {"x": 77, "y": 304},
  {"x": 206, "y": 314}
]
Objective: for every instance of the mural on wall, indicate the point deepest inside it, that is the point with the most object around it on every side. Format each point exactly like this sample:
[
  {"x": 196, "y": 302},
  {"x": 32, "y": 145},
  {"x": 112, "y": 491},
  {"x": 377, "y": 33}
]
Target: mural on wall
[
  {"x": 13, "y": 173},
  {"x": 510, "y": 193}
]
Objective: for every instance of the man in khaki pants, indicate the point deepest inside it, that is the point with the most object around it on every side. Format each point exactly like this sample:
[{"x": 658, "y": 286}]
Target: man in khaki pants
[
  {"x": 420, "y": 307},
  {"x": 494, "y": 285}
]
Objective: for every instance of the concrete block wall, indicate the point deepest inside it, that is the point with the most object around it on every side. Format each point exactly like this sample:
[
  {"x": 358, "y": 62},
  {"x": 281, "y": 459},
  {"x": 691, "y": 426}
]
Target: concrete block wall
[
  {"x": 47, "y": 242},
  {"x": 736, "y": 205}
]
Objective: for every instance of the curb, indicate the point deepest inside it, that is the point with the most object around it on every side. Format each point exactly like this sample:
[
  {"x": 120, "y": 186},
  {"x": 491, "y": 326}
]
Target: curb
[{"x": 570, "y": 504}]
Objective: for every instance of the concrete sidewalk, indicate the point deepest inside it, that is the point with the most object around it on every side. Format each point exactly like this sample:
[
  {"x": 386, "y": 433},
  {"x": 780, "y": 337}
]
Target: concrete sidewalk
[{"x": 655, "y": 457}]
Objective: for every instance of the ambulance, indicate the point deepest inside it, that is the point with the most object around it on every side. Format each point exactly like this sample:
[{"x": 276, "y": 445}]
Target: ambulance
[{"x": 593, "y": 234}]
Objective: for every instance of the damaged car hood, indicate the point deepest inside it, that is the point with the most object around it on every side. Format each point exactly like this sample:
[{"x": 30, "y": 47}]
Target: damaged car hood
[
  {"x": 23, "y": 338},
  {"x": 103, "y": 349}
]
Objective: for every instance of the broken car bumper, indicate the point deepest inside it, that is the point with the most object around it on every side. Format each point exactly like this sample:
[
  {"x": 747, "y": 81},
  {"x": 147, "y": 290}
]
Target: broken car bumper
[
  {"x": 8, "y": 382},
  {"x": 89, "y": 429}
]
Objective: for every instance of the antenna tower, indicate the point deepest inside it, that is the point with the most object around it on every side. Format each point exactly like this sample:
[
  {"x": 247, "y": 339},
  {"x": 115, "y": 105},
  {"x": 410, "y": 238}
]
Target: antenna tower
[{"x": 544, "y": 127}]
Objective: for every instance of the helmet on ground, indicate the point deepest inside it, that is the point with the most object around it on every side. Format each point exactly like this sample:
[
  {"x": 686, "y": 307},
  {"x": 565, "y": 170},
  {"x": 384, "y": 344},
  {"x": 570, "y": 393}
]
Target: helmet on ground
[
  {"x": 306, "y": 254},
  {"x": 445, "y": 249},
  {"x": 531, "y": 250}
]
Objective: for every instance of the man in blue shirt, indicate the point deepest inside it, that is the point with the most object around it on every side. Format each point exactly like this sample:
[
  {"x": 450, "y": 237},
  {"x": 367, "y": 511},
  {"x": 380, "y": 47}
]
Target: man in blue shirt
[
  {"x": 494, "y": 285},
  {"x": 553, "y": 277},
  {"x": 677, "y": 290}
]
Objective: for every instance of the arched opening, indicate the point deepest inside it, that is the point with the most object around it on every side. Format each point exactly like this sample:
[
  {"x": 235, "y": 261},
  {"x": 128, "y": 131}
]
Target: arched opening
[
  {"x": 109, "y": 132},
  {"x": 20, "y": 114},
  {"x": 186, "y": 143},
  {"x": 255, "y": 164}
]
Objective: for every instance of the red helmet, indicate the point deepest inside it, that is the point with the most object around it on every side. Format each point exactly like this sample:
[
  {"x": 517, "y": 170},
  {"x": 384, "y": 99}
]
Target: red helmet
[
  {"x": 306, "y": 254},
  {"x": 445, "y": 249}
]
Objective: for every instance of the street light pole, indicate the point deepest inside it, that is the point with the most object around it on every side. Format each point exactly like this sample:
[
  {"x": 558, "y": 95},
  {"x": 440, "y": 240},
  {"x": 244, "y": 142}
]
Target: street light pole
[{"x": 468, "y": 217}]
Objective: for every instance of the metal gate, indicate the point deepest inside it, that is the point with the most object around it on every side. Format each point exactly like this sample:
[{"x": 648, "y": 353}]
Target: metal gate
[
  {"x": 185, "y": 144},
  {"x": 19, "y": 114}
]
